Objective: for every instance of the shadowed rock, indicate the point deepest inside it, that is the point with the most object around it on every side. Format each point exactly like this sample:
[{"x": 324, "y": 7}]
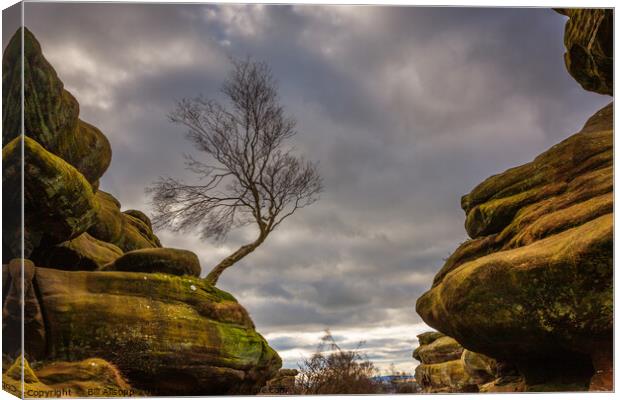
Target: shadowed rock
[
  {"x": 84, "y": 253},
  {"x": 121, "y": 229},
  {"x": 164, "y": 260},
  {"x": 50, "y": 112},
  {"x": 535, "y": 284},
  {"x": 588, "y": 38},
  {"x": 59, "y": 203},
  {"x": 167, "y": 334}
]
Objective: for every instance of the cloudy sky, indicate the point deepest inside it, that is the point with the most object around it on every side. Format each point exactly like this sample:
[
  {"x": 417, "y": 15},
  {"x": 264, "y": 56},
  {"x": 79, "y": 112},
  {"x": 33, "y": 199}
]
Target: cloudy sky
[{"x": 406, "y": 109}]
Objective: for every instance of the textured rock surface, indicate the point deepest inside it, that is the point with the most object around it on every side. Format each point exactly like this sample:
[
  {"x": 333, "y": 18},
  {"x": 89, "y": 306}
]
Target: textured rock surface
[
  {"x": 87, "y": 378},
  {"x": 121, "y": 229},
  {"x": 445, "y": 377},
  {"x": 84, "y": 253},
  {"x": 59, "y": 203},
  {"x": 164, "y": 260},
  {"x": 589, "y": 45},
  {"x": 442, "y": 367},
  {"x": 446, "y": 367},
  {"x": 536, "y": 280},
  {"x": 50, "y": 113},
  {"x": 534, "y": 286},
  {"x": 440, "y": 350},
  {"x": 167, "y": 334}
]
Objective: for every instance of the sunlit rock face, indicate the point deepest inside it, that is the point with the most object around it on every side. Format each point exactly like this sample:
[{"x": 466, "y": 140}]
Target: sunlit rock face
[
  {"x": 446, "y": 367},
  {"x": 97, "y": 284},
  {"x": 534, "y": 284}
]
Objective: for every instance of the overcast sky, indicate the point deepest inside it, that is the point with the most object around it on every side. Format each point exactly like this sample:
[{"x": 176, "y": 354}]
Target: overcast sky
[{"x": 406, "y": 110}]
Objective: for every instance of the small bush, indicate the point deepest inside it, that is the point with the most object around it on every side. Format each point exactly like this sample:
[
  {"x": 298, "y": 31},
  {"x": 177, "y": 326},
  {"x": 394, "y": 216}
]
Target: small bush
[{"x": 332, "y": 370}]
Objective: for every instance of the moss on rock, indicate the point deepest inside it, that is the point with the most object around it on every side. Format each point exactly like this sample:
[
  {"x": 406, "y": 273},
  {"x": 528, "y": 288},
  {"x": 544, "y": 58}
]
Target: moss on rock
[
  {"x": 168, "y": 334},
  {"x": 59, "y": 202},
  {"x": 88, "y": 378},
  {"x": 50, "y": 112},
  {"x": 121, "y": 229},
  {"x": 534, "y": 285},
  {"x": 84, "y": 253},
  {"x": 164, "y": 260}
]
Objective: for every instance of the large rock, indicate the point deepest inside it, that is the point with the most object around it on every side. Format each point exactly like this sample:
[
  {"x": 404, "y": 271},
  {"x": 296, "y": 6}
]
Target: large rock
[
  {"x": 59, "y": 203},
  {"x": 84, "y": 253},
  {"x": 589, "y": 45},
  {"x": 446, "y": 367},
  {"x": 167, "y": 334},
  {"x": 164, "y": 260},
  {"x": 534, "y": 286},
  {"x": 127, "y": 231},
  {"x": 50, "y": 112}
]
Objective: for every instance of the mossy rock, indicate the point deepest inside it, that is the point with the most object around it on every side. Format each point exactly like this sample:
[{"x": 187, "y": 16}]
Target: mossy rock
[
  {"x": 589, "y": 41},
  {"x": 536, "y": 281},
  {"x": 88, "y": 378},
  {"x": 440, "y": 350},
  {"x": 59, "y": 202},
  {"x": 84, "y": 253},
  {"x": 164, "y": 260},
  {"x": 125, "y": 230},
  {"x": 141, "y": 216},
  {"x": 50, "y": 112},
  {"x": 167, "y": 334},
  {"x": 557, "y": 173},
  {"x": 445, "y": 377}
]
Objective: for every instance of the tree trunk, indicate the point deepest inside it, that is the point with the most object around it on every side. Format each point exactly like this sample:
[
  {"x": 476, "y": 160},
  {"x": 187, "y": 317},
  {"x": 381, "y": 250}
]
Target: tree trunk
[{"x": 243, "y": 251}]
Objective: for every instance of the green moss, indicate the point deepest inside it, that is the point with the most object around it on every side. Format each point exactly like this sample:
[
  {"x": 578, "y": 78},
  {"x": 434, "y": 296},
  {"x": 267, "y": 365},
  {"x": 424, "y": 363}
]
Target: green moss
[
  {"x": 150, "y": 324},
  {"x": 50, "y": 113},
  {"x": 164, "y": 260},
  {"x": 535, "y": 298},
  {"x": 59, "y": 202}
]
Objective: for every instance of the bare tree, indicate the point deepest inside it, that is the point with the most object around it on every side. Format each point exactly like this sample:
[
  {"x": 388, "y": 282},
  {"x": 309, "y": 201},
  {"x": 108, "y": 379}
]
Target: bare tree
[{"x": 250, "y": 177}]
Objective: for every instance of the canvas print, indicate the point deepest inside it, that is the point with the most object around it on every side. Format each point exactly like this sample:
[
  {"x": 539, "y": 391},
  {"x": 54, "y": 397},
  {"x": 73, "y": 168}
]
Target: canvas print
[{"x": 296, "y": 199}]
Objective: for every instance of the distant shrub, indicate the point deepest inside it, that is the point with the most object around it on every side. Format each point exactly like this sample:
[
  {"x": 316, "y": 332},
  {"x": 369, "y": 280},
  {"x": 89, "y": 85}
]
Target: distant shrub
[{"x": 332, "y": 370}]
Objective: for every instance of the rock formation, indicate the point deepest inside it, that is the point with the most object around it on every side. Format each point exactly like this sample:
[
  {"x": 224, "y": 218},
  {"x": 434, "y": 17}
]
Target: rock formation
[
  {"x": 446, "y": 367},
  {"x": 534, "y": 285},
  {"x": 92, "y": 377},
  {"x": 590, "y": 48},
  {"x": 98, "y": 285}
]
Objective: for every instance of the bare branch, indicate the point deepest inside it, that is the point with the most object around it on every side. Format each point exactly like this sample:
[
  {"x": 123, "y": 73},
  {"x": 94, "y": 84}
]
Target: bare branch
[{"x": 249, "y": 176}]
